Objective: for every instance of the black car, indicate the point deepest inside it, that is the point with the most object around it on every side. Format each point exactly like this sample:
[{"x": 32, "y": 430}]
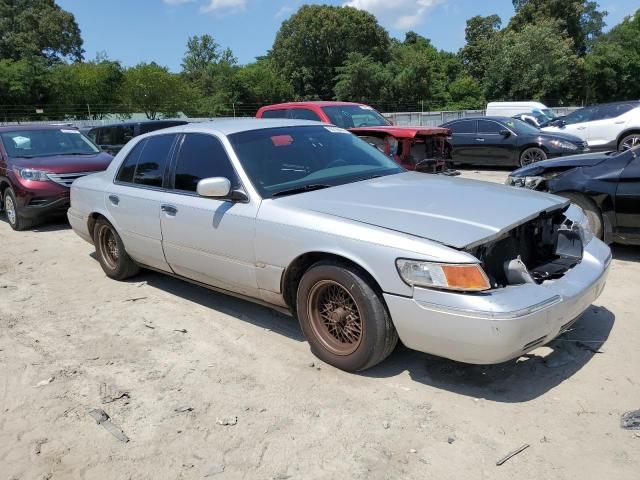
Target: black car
[
  {"x": 111, "y": 138},
  {"x": 506, "y": 141},
  {"x": 605, "y": 185}
]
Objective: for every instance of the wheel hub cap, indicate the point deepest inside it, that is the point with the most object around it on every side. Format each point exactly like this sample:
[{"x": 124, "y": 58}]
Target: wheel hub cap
[{"x": 10, "y": 208}]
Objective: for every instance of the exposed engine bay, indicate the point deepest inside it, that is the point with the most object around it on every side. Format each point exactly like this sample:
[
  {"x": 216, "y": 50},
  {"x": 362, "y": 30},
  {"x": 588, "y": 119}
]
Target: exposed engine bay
[
  {"x": 423, "y": 153},
  {"x": 542, "y": 249}
]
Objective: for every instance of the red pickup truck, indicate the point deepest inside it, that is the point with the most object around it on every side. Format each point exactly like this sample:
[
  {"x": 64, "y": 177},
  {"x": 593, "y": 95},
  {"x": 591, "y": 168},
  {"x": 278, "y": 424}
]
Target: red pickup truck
[{"x": 424, "y": 149}]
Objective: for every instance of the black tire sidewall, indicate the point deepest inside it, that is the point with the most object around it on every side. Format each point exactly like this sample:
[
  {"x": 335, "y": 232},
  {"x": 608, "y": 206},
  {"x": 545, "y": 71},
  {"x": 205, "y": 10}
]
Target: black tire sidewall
[
  {"x": 372, "y": 312},
  {"x": 521, "y": 164},
  {"x": 590, "y": 209},
  {"x": 123, "y": 267}
]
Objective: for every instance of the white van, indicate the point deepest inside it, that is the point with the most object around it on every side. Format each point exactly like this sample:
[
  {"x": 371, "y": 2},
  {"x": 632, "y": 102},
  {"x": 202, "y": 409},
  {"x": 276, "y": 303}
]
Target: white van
[{"x": 510, "y": 109}]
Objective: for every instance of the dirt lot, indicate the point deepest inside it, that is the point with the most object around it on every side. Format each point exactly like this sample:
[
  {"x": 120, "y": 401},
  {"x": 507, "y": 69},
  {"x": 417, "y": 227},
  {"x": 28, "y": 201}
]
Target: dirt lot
[{"x": 254, "y": 403}]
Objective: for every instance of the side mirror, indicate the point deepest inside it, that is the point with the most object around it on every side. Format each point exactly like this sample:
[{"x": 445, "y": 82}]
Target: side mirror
[
  {"x": 214, "y": 187},
  {"x": 505, "y": 133}
]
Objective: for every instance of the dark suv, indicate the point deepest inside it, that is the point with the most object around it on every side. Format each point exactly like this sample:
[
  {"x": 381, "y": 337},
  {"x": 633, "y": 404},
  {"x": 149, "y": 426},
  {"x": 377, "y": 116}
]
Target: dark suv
[
  {"x": 38, "y": 164},
  {"x": 111, "y": 138}
]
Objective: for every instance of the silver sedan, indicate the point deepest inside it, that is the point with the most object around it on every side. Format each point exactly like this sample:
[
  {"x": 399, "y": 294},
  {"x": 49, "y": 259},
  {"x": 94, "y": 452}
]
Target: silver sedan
[{"x": 311, "y": 220}]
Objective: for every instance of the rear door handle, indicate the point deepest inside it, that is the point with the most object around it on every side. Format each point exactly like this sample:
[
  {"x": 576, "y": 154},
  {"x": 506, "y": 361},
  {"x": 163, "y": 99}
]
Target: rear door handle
[
  {"x": 114, "y": 199},
  {"x": 169, "y": 210},
  {"x": 479, "y": 139},
  {"x": 582, "y": 128}
]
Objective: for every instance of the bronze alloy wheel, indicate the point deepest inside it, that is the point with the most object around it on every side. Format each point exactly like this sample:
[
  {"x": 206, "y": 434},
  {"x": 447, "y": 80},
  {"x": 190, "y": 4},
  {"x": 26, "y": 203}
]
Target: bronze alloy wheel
[
  {"x": 335, "y": 317},
  {"x": 108, "y": 246}
]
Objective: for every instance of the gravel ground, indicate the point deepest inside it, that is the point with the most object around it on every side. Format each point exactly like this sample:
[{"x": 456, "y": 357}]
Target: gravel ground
[{"x": 205, "y": 385}]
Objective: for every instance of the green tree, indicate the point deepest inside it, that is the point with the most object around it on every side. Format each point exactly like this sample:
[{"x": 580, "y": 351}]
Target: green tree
[
  {"x": 465, "y": 93},
  {"x": 23, "y": 86},
  {"x": 38, "y": 28},
  {"x": 535, "y": 62},
  {"x": 262, "y": 84},
  {"x": 613, "y": 66},
  {"x": 479, "y": 33},
  {"x": 362, "y": 79},
  {"x": 313, "y": 43},
  {"x": 87, "y": 89},
  {"x": 581, "y": 20},
  {"x": 154, "y": 90}
]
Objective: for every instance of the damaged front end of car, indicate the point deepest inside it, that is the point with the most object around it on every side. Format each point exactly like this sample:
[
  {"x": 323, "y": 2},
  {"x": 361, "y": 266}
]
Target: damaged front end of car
[{"x": 541, "y": 249}]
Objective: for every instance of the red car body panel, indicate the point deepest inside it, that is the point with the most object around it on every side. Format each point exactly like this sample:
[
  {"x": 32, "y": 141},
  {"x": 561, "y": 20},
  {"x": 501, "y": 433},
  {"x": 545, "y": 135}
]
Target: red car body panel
[{"x": 410, "y": 139}]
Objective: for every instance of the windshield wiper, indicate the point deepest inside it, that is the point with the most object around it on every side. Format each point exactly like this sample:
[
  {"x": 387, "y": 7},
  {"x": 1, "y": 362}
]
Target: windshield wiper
[{"x": 305, "y": 188}]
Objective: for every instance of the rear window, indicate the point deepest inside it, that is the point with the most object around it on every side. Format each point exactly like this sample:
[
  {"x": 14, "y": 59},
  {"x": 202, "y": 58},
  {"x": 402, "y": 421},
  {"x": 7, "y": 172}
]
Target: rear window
[
  {"x": 47, "y": 143},
  {"x": 353, "y": 116}
]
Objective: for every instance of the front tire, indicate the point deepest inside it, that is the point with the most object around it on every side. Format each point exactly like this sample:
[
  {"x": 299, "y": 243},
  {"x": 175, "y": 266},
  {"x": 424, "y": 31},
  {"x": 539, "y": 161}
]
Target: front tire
[
  {"x": 590, "y": 209},
  {"x": 113, "y": 258},
  {"x": 532, "y": 155},
  {"x": 343, "y": 318},
  {"x": 12, "y": 212}
]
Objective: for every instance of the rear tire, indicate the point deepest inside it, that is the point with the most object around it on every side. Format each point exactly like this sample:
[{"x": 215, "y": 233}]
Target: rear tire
[
  {"x": 113, "y": 258},
  {"x": 343, "y": 318},
  {"x": 532, "y": 155},
  {"x": 628, "y": 142},
  {"x": 12, "y": 211},
  {"x": 590, "y": 209}
]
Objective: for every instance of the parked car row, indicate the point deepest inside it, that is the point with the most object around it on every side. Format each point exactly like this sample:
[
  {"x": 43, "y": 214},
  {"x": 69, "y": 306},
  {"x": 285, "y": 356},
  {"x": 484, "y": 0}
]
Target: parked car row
[{"x": 309, "y": 219}]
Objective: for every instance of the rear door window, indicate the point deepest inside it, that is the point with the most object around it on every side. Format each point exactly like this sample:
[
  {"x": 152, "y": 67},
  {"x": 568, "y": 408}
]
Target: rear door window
[
  {"x": 612, "y": 111},
  {"x": 304, "y": 114},
  {"x": 463, "y": 126},
  {"x": 281, "y": 113},
  {"x": 146, "y": 162},
  {"x": 201, "y": 156}
]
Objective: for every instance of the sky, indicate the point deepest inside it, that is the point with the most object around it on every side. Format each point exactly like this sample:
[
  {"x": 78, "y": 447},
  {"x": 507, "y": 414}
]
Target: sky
[{"x": 135, "y": 31}]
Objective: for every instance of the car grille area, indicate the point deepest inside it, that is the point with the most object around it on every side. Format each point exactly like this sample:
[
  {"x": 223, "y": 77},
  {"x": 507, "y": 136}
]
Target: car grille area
[{"x": 66, "y": 179}]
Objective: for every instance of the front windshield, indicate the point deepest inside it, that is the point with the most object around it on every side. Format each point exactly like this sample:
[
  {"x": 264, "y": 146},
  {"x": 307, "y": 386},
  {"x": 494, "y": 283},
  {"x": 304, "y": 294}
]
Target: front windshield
[
  {"x": 47, "y": 143},
  {"x": 353, "y": 116},
  {"x": 550, "y": 114},
  {"x": 287, "y": 158},
  {"x": 520, "y": 127}
]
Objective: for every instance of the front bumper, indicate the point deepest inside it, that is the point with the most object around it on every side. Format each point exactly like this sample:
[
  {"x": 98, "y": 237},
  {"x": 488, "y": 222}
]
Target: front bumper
[{"x": 497, "y": 326}]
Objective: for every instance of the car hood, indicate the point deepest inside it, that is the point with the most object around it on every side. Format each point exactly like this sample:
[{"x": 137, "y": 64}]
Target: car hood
[
  {"x": 402, "y": 132},
  {"x": 66, "y": 163},
  {"x": 561, "y": 163},
  {"x": 560, "y": 136},
  {"x": 457, "y": 212}
]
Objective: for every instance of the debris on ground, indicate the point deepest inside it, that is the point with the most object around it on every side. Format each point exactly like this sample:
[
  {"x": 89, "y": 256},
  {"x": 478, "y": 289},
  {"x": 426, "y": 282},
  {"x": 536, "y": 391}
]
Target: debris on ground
[
  {"x": 183, "y": 408},
  {"x": 450, "y": 440},
  {"x": 152, "y": 327},
  {"x": 630, "y": 420},
  {"x": 413, "y": 450},
  {"x": 227, "y": 421},
  {"x": 586, "y": 346},
  {"x": 110, "y": 393},
  {"x": 42, "y": 383},
  {"x": 386, "y": 425},
  {"x": 134, "y": 299},
  {"x": 213, "y": 470},
  {"x": 38, "y": 445},
  {"x": 102, "y": 418},
  {"x": 181, "y": 330},
  {"x": 512, "y": 454}
]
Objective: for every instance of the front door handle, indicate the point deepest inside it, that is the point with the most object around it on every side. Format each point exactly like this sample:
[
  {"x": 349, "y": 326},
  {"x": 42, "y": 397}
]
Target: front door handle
[
  {"x": 582, "y": 128},
  {"x": 479, "y": 139},
  {"x": 169, "y": 210},
  {"x": 114, "y": 199}
]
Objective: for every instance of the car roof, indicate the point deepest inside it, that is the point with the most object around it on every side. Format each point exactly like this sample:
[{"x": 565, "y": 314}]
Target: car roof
[
  {"x": 140, "y": 122},
  {"x": 317, "y": 103},
  {"x": 493, "y": 117},
  {"x": 16, "y": 128},
  {"x": 237, "y": 125}
]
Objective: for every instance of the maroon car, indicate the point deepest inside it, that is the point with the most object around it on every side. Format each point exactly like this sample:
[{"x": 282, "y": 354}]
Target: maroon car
[
  {"x": 38, "y": 165},
  {"x": 424, "y": 149}
]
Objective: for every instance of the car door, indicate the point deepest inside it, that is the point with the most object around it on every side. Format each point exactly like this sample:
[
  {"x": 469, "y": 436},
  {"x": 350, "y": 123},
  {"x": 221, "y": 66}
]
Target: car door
[
  {"x": 576, "y": 123},
  {"x": 463, "y": 140},
  {"x": 628, "y": 199},
  {"x": 209, "y": 240},
  {"x": 494, "y": 148},
  {"x": 135, "y": 197},
  {"x": 609, "y": 121}
]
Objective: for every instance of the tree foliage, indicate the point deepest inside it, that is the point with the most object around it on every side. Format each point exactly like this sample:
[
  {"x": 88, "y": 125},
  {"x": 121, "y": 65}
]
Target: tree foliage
[
  {"x": 314, "y": 42},
  {"x": 41, "y": 28},
  {"x": 479, "y": 34}
]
